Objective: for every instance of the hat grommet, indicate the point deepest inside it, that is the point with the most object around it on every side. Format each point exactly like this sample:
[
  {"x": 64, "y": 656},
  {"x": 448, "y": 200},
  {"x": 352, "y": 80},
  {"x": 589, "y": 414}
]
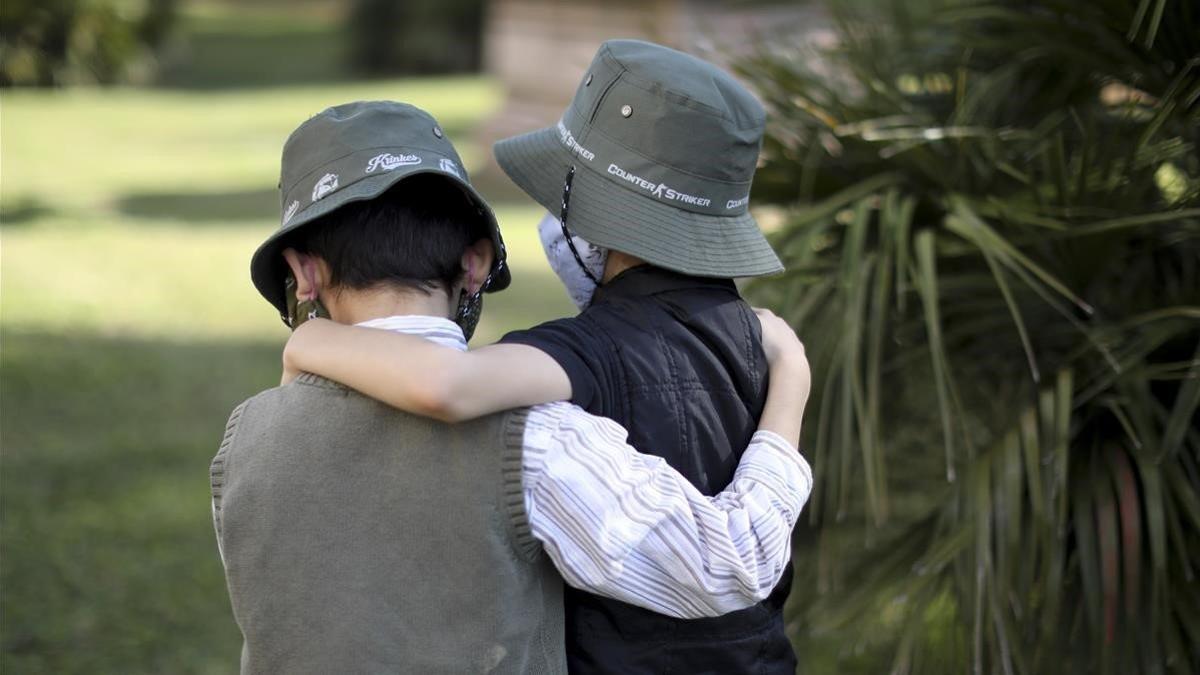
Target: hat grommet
[
  {"x": 626, "y": 110},
  {"x": 588, "y": 81},
  {"x": 437, "y": 131}
]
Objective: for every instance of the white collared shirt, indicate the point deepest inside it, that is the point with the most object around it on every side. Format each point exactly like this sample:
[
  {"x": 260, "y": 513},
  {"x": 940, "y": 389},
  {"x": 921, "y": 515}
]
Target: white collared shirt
[{"x": 626, "y": 525}]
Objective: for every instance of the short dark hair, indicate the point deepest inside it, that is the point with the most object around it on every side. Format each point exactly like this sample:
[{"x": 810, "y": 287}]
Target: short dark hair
[{"x": 412, "y": 236}]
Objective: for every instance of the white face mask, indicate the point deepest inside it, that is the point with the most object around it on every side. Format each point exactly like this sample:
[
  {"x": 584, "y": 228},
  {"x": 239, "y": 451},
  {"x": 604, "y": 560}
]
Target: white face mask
[{"x": 563, "y": 262}]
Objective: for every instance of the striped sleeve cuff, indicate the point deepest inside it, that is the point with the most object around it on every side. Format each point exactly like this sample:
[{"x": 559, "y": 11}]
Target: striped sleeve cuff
[{"x": 774, "y": 463}]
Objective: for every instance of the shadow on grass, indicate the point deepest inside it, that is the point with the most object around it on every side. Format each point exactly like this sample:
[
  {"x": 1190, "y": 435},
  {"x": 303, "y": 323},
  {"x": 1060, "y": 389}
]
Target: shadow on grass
[
  {"x": 23, "y": 211},
  {"x": 258, "y": 204},
  {"x": 202, "y": 207},
  {"x": 213, "y": 208},
  {"x": 110, "y": 563}
]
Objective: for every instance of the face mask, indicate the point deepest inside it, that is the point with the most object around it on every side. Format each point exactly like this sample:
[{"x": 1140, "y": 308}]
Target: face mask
[
  {"x": 579, "y": 285},
  {"x": 299, "y": 311},
  {"x": 470, "y": 308}
]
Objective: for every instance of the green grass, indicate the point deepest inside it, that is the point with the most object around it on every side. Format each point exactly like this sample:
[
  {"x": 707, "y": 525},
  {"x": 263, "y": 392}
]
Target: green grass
[
  {"x": 136, "y": 212},
  {"x": 87, "y": 153},
  {"x": 109, "y": 561},
  {"x": 129, "y": 329}
]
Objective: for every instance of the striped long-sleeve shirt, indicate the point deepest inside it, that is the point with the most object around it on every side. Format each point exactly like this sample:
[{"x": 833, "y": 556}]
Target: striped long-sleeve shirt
[{"x": 626, "y": 525}]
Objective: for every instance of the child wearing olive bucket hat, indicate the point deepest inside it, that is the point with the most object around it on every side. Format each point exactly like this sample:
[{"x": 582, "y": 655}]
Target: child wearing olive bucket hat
[{"x": 649, "y": 172}]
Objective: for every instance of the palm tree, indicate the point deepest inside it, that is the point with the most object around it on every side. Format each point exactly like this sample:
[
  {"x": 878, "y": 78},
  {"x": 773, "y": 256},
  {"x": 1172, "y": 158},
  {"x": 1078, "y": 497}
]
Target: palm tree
[{"x": 990, "y": 215}]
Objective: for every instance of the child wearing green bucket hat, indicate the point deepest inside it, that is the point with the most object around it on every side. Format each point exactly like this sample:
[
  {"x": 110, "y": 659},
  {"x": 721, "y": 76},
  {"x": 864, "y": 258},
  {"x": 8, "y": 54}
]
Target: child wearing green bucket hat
[{"x": 648, "y": 172}]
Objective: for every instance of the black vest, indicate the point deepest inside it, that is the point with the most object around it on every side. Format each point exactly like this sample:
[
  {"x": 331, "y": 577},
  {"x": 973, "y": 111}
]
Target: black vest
[{"x": 678, "y": 361}]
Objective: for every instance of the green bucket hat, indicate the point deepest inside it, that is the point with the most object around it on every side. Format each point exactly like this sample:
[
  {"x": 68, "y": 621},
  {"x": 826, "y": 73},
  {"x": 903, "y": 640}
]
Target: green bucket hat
[
  {"x": 355, "y": 152},
  {"x": 663, "y": 147}
]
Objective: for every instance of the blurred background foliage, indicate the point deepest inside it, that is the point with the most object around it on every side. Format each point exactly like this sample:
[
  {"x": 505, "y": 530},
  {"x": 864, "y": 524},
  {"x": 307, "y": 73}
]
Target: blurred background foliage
[
  {"x": 989, "y": 211},
  {"x": 59, "y": 42},
  {"x": 412, "y": 37},
  {"x": 219, "y": 43},
  {"x": 991, "y": 221}
]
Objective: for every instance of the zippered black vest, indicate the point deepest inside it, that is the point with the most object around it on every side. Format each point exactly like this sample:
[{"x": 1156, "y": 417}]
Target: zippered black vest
[{"x": 678, "y": 361}]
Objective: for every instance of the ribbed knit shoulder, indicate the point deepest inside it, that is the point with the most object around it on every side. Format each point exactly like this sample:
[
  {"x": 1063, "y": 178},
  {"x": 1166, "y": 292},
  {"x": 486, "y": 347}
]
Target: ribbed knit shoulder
[
  {"x": 310, "y": 380},
  {"x": 216, "y": 471},
  {"x": 512, "y": 493}
]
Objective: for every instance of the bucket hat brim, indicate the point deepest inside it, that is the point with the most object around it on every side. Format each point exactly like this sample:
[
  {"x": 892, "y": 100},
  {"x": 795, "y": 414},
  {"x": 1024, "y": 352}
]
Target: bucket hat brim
[
  {"x": 614, "y": 217},
  {"x": 268, "y": 268}
]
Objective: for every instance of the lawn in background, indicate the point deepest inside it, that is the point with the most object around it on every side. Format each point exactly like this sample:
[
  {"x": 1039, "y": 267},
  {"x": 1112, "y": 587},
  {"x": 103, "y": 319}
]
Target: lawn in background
[
  {"x": 129, "y": 329},
  {"x": 222, "y": 44}
]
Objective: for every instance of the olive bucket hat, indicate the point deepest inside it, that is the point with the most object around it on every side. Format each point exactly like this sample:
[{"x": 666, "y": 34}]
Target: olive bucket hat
[
  {"x": 655, "y": 156},
  {"x": 355, "y": 152}
]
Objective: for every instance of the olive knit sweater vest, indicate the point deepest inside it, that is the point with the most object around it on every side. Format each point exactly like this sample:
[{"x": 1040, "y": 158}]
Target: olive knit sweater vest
[{"x": 360, "y": 539}]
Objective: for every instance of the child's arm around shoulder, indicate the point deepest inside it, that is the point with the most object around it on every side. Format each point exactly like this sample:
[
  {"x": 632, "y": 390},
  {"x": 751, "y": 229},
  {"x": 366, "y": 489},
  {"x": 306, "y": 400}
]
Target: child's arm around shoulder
[{"x": 422, "y": 377}]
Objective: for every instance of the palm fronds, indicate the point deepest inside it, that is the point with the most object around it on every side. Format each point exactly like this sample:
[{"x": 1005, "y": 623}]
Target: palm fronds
[{"x": 993, "y": 240}]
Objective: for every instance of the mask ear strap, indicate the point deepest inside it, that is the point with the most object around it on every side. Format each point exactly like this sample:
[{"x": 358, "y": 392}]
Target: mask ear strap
[
  {"x": 562, "y": 219},
  {"x": 470, "y": 307}
]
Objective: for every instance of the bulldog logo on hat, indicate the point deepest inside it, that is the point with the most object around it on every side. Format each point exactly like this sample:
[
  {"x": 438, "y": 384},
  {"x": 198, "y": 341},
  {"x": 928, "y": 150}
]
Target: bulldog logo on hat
[{"x": 327, "y": 184}]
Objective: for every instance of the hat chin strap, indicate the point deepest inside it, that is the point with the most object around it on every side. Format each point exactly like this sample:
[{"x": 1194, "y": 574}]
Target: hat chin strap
[{"x": 562, "y": 219}]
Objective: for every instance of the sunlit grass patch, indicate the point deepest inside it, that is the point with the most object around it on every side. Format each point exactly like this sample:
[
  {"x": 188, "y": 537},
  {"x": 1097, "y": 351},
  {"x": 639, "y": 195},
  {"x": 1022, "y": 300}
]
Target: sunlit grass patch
[
  {"x": 80, "y": 151},
  {"x": 174, "y": 280},
  {"x": 135, "y": 212}
]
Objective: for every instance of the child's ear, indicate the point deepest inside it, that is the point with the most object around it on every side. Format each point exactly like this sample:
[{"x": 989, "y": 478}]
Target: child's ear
[
  {"x": 477, "y": 263},
  {"x": 306, "y": 271}
]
